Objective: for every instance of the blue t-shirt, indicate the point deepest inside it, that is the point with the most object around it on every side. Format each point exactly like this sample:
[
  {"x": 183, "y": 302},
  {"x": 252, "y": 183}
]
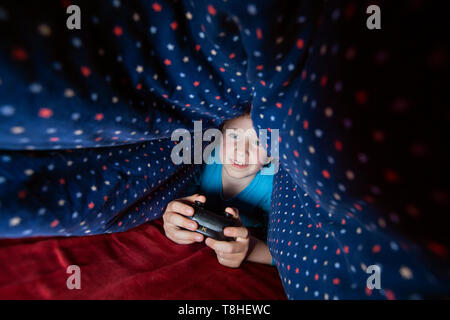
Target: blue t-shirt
[{"x": 253, "y": 202}]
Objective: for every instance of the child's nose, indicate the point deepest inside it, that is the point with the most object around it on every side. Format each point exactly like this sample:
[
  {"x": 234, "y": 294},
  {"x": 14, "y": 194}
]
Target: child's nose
[
  {"x": 246, "y": 145},
  {"x": 243, "y": 154}
]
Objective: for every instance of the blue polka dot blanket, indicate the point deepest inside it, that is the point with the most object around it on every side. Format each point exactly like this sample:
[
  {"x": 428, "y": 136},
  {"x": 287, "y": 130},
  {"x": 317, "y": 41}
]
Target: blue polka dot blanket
[{"x": 360, "y": 202}]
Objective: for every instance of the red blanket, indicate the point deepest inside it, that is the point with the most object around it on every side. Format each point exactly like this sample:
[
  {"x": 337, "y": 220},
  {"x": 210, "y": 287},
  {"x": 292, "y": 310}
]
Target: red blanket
[{"x": 138, "y": 264}]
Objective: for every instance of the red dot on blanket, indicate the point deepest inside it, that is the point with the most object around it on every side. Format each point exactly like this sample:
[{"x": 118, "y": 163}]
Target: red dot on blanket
[
  {"x": 361, "y": 97},
  {"x": 389, "y": 294},
  {"x": 391, "y": 175},
  {"x": 338, "y": 145},
  {"x": 45, "y": 113},
  {"x": 22, "y": 194},
  {"x": 438, "y": 249},
  {"x": 85, "y": 71},
  {"x": 212, "y": 10},
  {"x": 259, "y": 33},
  {"x": 157, "y": 7},
  {"x": 19, "y": 54},
  {"x": 118, "y": 31}
]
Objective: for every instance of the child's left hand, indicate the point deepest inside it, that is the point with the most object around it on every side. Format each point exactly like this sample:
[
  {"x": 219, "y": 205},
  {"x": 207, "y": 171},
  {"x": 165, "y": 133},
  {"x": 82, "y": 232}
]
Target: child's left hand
[{"x": 231, "y": 253}]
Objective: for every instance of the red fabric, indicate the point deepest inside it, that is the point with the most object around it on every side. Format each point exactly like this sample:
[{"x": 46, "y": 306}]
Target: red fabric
[{"x": 138, "y": 264}]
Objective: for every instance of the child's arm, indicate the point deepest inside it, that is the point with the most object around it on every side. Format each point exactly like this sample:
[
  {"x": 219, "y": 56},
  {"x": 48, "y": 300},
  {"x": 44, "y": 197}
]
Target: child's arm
[
  {"x": 245, "y": 247},
  {"x": 259, "y": 251}
]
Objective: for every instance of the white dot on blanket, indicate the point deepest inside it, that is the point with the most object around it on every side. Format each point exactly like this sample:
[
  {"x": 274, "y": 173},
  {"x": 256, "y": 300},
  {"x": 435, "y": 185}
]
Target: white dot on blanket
[{"x": 14, "y": 221}]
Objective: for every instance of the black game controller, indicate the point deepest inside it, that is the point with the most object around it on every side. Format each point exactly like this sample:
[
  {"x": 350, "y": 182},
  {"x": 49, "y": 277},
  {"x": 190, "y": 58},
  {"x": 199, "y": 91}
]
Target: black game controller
[{"x": 211, "y": 224}]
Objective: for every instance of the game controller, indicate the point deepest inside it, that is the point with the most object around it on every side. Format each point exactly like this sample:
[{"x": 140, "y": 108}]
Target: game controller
[{"x": 211, "y": 224}]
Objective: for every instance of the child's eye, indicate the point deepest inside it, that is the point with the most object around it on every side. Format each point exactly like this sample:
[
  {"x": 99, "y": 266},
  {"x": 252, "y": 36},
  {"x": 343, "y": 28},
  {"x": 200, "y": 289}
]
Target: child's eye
[
  {"x": 256, "y": 143},
  {"x": 233, "y": 135}
]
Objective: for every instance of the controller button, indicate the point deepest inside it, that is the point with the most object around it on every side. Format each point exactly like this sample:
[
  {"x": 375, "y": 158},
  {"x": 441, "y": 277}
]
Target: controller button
[{"x": 198, "y": 203}]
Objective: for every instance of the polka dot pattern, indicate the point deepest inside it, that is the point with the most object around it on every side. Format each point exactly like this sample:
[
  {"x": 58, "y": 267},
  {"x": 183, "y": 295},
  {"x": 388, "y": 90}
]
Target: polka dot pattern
[{"x": 86, "y": 118}]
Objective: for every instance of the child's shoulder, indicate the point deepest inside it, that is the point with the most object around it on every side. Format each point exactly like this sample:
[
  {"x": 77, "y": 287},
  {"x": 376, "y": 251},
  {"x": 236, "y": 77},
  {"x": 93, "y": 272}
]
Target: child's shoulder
[
  {"x": 211, "y": 165},
  {"x": 264, "y": 183}
]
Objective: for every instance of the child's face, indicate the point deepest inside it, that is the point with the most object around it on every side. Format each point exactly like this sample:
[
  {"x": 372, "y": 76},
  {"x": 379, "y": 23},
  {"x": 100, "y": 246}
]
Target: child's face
[{"x": 241, "y": 153}]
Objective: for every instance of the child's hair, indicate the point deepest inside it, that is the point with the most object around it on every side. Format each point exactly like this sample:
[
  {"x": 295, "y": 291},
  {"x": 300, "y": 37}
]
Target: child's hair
[{"x": 245, "y": 114}]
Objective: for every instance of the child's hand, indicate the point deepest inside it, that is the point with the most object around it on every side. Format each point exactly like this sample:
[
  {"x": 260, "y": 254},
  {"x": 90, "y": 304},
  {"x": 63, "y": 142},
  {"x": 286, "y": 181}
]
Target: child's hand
[
  {"x": 231, "y": 253},
  {"x": 174, "y": 220}
]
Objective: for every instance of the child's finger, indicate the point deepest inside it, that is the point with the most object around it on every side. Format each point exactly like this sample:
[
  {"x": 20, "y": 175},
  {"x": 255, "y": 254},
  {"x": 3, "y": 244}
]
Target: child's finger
[
  {"x": 227, "y": 256},
  {"x": 180, "y": 207},
  {"x": 194, "y": 197},
  {"x": 236, "y": 232},
  {"x": 187, "y": 236},
  {"x": 231, "y": 263},
  {"x": 222, "y": 246},
  {"x": 233, "y": 211},
  {"x": 180, "y": 221}
]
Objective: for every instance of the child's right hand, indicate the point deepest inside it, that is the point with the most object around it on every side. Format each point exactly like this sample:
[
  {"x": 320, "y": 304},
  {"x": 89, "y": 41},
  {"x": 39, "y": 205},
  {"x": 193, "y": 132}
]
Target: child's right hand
[{"x": 174, "y": 220}]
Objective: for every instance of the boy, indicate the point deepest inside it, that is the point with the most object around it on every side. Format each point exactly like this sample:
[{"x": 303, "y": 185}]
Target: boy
[{"x": 236, "y": 184}]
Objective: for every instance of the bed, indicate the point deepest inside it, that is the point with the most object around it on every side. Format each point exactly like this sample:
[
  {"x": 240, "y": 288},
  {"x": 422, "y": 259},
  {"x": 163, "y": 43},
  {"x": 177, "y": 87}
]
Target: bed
[
  {"x": 140, "y": 263},
  {"x": 86, "y": 117}
]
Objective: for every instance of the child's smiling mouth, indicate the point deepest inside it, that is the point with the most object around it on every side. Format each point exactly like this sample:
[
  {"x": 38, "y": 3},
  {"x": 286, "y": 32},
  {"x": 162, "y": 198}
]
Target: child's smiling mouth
[{"x": 239, "y": 165}]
